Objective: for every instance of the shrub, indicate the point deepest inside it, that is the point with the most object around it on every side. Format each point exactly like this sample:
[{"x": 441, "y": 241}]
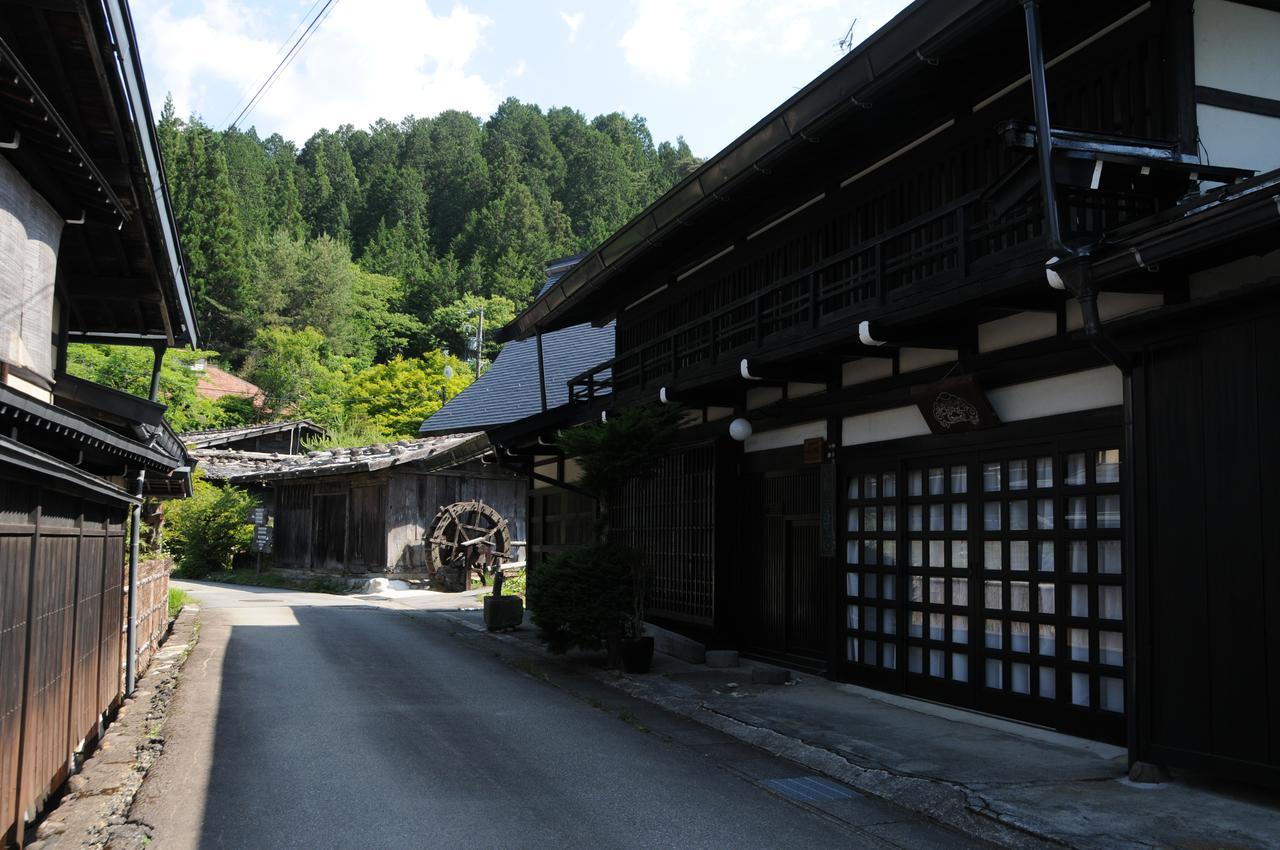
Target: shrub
[
  {"x": 206, "y": 531},
  {"x": 583, "y": 596}
]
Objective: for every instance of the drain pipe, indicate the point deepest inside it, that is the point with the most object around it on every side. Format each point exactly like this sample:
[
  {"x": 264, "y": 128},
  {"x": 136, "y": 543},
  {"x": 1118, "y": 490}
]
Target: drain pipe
[
  {"x": 1071, "y": 270},
  {"x": 130, "y": 662}
]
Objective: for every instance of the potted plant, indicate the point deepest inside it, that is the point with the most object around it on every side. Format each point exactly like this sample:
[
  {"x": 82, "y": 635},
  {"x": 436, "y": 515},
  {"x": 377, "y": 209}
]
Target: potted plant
[
  {"x": 502, "y": 612},
  {"x": 613, "y": 577},
  {"x": 582, "y": 598},
  {"x": 635, "y": 647}
]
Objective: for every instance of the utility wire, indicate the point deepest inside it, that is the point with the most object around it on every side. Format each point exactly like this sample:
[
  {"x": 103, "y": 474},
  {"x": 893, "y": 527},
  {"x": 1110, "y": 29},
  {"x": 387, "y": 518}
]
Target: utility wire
[
  {"x": 287, "y": 60},
  {"x": 288, "y": 40}
]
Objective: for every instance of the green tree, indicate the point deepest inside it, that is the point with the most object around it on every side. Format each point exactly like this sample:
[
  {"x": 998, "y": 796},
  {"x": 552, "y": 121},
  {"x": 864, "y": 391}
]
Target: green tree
[
  {"x": 398, "y": 395},
  {"x": 207, "y": 531},
  {"x": 453, "y": 327},
  {"x": 297, "y": 373},
  {"x": 211, "y": 231}
]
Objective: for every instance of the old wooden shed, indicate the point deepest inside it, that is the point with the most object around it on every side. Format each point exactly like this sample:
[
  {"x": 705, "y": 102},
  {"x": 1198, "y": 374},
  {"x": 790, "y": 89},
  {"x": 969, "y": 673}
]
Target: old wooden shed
[{"x": 365, "y": 510}]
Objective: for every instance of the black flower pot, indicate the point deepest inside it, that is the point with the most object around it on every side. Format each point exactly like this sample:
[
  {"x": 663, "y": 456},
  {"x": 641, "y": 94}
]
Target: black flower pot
[
  {"x": 503, "y": 612},
  {"x": 637, "y": 654}
]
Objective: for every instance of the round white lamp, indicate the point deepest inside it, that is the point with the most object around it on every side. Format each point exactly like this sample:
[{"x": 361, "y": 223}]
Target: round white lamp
[
  {"x": 740, "y": 429},
  {"x": 448, "y": 372}
]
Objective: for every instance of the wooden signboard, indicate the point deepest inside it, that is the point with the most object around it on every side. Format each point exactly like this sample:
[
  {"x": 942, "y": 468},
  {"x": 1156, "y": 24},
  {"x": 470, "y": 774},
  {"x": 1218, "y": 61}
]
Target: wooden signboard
[
  {"x": 261, "y": 539},
  {"x": 827, "y": 511},
  {"x": 954, "y": 405},
  {"x": 814, "y": 449}
]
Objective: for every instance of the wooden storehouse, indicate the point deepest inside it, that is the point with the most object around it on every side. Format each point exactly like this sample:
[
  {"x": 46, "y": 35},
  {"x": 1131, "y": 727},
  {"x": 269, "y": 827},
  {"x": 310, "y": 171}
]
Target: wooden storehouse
[
  {"x": 364, "y": 511},
  {"x": 88, "y": 253},
  {"x": 978, "y": 333}
]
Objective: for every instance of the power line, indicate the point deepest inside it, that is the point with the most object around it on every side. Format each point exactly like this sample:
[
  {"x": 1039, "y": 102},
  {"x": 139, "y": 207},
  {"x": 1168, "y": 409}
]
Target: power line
[
  {"x": 281, "y": 49},
  {"x": 288, "y": 59}
]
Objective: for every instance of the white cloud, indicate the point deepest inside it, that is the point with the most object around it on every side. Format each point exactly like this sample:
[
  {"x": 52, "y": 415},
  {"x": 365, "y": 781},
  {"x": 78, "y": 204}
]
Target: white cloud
[
  {"x": 517, "y": 70},
  {"x": 572, "y": 21},
  {"x": 366, "y": 61},
  {"x": 671, "y": 40}
]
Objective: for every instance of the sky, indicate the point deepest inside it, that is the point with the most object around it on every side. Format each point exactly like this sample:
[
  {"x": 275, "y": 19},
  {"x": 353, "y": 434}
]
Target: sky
[{"x": 703, "y": 69}]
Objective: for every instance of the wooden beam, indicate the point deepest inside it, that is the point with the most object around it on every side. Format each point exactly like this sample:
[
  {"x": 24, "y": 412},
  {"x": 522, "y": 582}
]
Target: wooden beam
[{"x": 780, "y": 374}]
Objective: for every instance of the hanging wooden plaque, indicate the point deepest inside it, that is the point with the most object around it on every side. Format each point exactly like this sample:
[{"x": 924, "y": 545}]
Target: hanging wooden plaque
[
  {"x": 814, "y": 448},
  {"x": 954, "y": 405}
]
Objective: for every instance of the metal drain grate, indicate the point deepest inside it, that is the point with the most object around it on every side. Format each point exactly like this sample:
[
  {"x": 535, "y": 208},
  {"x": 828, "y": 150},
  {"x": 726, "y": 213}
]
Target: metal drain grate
[{"x": 808, "y": 789}]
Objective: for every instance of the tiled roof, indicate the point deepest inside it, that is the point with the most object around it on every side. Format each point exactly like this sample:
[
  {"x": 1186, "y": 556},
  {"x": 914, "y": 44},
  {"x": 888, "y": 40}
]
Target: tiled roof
[
  {"x": 238, "y": 467},
  {"x": 214, "y": 383},
  {"x": 214, "y": 436},
  {"x": 509, "y": 390}
]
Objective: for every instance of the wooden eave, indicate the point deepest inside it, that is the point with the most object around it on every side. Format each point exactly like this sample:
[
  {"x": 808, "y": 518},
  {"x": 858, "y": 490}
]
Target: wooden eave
[
  {"x": 82, "y": 141},
  {"x": 902, "y": 81}
]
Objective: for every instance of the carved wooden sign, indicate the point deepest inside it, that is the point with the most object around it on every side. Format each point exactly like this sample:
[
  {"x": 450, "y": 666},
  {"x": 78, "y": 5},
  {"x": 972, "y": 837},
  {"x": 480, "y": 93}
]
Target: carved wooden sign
[
  {"x": 814, "y": 449},
  {"x": 954, "y": 405}
]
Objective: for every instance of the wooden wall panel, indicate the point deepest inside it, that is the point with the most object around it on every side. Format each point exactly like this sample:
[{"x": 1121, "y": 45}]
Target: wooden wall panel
[
  {"x": 15, "y": 570},
  {"x": 1177, "y": 591},
  {"x": 1212, "y": 578}
]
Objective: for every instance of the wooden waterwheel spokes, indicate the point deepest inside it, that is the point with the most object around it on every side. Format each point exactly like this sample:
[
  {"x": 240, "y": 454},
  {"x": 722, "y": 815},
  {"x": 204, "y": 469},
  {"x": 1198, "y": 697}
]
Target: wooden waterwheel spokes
[{"x": 463, "y": 537}]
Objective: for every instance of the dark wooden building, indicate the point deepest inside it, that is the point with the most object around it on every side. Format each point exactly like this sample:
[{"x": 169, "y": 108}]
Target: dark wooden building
[
  {"x": 992, "y": 306},
  {"x": 88, "y": 253},
  {"x": 365, "y": 511}
]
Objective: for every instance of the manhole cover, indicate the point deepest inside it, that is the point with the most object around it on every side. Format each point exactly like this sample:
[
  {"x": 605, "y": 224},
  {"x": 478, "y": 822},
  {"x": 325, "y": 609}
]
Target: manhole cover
[{"x": 808, "y": 789}]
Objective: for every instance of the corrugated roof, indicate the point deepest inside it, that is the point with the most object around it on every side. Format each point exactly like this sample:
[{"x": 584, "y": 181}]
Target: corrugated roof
[{"x": 510, "y": 390}]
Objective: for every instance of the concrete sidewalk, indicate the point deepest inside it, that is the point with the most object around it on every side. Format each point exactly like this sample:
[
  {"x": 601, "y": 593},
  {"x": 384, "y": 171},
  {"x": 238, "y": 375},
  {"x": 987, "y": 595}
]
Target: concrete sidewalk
[{"x": 1001, "y": 781}]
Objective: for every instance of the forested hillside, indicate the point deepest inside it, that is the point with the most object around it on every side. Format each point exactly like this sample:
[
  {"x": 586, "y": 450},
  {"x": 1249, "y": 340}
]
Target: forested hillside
[{"x": 335, "y": 273}]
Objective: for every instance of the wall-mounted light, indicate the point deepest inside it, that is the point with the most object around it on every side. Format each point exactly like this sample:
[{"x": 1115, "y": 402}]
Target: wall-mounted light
[{"x": 740, "y": 429}]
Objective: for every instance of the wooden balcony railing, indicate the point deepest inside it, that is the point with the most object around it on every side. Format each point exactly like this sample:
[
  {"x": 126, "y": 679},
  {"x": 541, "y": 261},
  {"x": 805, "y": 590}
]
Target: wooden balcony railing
[{"x": 903, "y": 264}]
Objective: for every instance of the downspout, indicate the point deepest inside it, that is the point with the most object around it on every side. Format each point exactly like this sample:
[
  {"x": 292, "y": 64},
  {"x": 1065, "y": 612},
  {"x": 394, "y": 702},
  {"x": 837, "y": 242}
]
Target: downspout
[
  {"x": 155, "y": 372},
  {"x": 130, "y": 662},
  {"x": 1071, "y": 270}
]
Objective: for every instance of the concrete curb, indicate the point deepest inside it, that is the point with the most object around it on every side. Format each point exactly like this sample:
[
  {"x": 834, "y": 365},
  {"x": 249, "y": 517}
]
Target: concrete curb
[
  {"x": 943, "y": 802},
  {"x": 94, "y": 812}
]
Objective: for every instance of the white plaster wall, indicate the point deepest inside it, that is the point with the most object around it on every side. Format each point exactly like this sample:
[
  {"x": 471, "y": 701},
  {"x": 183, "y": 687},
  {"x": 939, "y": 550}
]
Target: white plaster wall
[
  {"x": 1235, "y": 274},
  {"x": 1113, "y": 305},
  {"x": 780, "y": 438},
  {"x": 572, "y": 471},
  {"x": 883, "y": 425},
  {"x": 914, "y": 359},
  {"x": 717, "y": 413},
  {"x": 1235, "y": 48},
  {"x": 1088, "y": 390},
  {"x": 1015, "y": 330},
  {"x": 30, "y": 233},
  {"x": 799, "y": 390},
  {"x": 864, "y": 370},
  {"x": 1239, "y": 139},
  {"x": 761, "y": 396}
]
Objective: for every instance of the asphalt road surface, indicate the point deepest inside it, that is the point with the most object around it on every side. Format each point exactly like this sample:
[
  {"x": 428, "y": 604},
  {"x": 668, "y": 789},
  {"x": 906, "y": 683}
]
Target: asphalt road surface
[{"x": 313, "y": 721}]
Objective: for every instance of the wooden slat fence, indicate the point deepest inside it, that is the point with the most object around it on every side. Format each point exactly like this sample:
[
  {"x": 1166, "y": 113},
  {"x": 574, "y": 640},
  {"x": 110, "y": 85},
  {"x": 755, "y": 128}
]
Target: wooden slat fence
[
  {"x": 61, "y": 618},
  {"x": 153, "y": 609}
]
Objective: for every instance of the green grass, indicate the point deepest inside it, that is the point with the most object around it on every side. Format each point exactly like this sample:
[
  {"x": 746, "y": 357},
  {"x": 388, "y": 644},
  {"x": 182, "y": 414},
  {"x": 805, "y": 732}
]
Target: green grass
[
  {"x": 177, "y": 598},
  {"x": 314, "y": 584},
  {"x": 512, "y": 586}
]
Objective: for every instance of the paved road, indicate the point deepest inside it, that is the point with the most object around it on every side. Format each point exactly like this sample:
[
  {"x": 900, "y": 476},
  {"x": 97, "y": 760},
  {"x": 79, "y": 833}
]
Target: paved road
[{"x": 314, "y": 721}]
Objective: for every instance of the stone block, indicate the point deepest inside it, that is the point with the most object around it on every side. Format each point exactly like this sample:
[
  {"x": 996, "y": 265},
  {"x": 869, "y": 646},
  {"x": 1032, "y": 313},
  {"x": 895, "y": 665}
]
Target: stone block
[
  {"x": 722, "y": 658},
  {"x": 770, "y": 676}
]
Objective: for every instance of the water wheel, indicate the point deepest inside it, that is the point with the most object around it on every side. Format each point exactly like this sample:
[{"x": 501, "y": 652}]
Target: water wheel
[{"x": 466, "y": 537}]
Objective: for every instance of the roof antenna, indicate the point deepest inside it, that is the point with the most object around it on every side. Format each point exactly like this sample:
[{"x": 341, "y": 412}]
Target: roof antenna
[{"x": 847, "y": 41}]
